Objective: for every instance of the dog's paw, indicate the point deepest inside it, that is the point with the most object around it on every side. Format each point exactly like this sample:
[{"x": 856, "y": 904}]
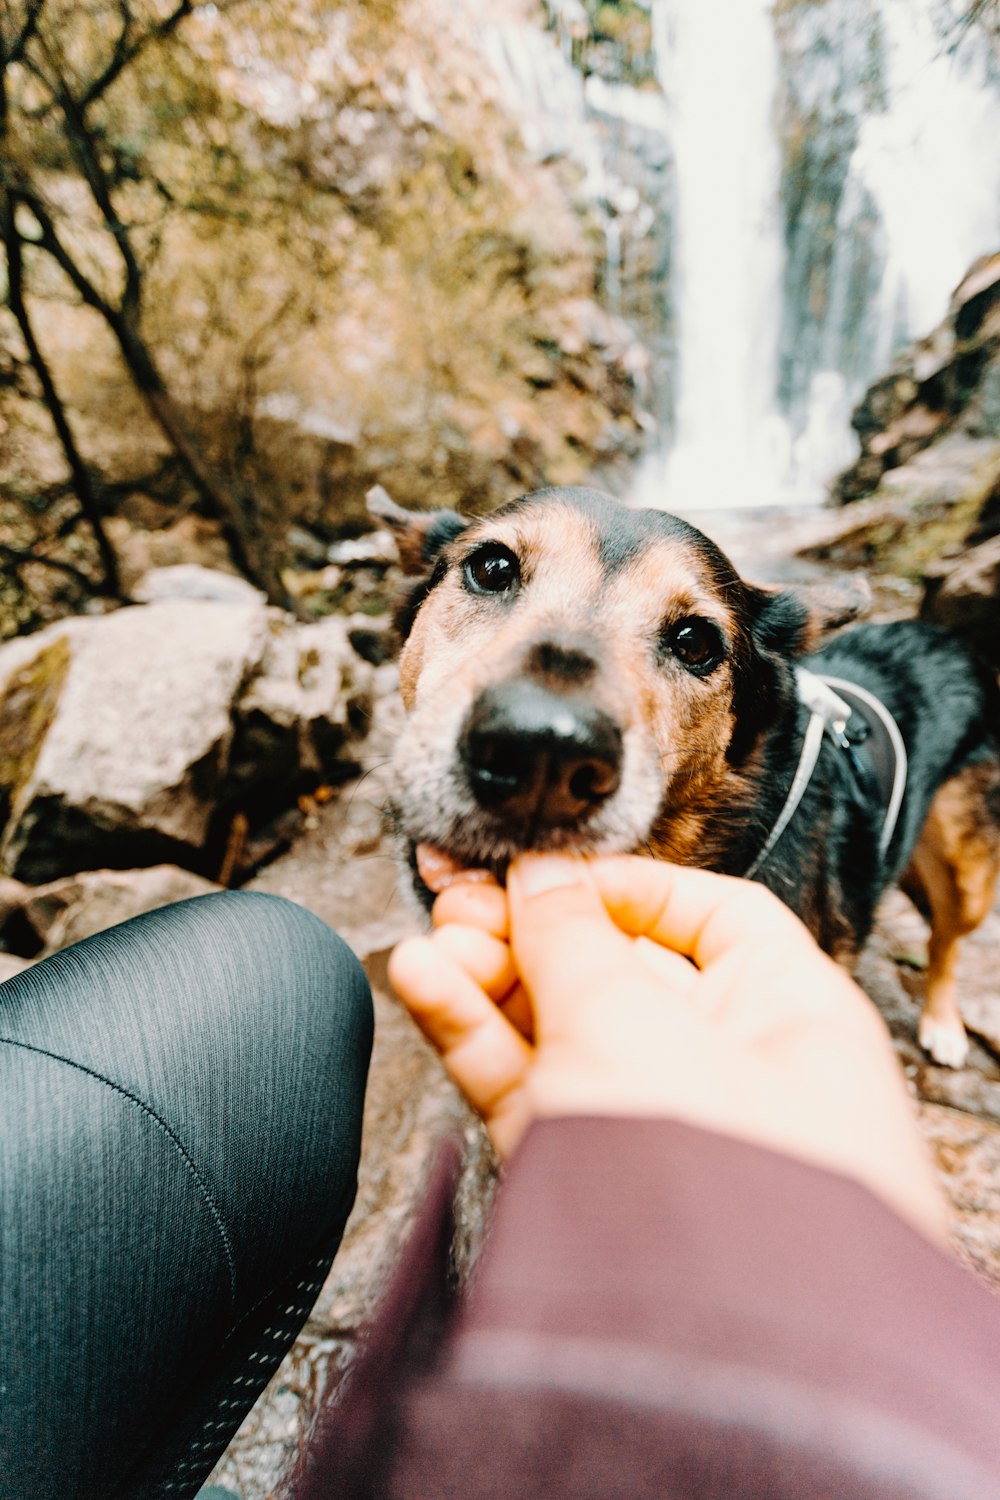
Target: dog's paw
[{"x": 947, "y": 1045}]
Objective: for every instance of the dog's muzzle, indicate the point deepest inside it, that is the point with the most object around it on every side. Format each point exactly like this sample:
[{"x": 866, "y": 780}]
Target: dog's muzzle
[{"x": 538, "y": 757}]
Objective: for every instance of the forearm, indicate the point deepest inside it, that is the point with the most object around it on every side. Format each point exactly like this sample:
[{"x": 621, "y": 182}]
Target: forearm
[{"x": 660, "y": 1301}]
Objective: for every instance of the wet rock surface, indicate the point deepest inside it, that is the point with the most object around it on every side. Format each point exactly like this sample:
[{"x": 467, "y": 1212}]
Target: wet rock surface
[
  {"x": 964, "y": 595},
  {"x": 125, "y": 739},
  {"x": 926, "y": 487},
  {"x": 38, "y": 920},
  {"x": 948, "y": 382}
]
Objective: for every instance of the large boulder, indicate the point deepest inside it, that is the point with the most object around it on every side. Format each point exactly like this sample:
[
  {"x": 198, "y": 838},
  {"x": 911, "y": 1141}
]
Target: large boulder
[
  {"x": 948, "y": 382},
  {"x": 38, "y": 920},
  {"x": 964, "y": 595},
  {"x": 11, "y": 965},
  {"x": 125, "y": 739}
]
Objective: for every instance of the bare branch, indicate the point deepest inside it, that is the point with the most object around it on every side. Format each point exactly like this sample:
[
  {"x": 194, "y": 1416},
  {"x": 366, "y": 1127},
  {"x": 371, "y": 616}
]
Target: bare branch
[
  {"x": 126, "y": 50},
  {"x": 13, "y": 51},
  {"x": 83, "y": 489},
  {"x": 81, "y": 143},
  {"x": 49, "y": 241},
  {"x": 19, "y": 559}
]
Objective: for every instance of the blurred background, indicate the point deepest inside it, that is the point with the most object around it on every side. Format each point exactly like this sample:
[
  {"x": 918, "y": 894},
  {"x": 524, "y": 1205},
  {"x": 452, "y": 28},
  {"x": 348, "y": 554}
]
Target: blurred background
[{"x": 262, "y": 255}]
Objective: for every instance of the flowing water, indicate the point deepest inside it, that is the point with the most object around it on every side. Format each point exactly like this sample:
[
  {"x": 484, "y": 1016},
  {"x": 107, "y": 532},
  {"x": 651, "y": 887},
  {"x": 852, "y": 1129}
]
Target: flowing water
[
  {"x": 919, "y": 200},
  {"x": 719, "y": 82},
  {"x": 777, "y": 297}
]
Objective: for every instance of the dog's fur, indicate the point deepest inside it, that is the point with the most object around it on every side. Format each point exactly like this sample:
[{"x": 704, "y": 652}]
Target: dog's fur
[{"x": 595, "y": 609}]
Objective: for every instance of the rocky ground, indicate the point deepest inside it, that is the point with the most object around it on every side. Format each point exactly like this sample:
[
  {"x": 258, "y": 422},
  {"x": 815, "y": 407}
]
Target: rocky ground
[
  {"x": 293, "y": 689},
  {"x": 340, "y": 868}
]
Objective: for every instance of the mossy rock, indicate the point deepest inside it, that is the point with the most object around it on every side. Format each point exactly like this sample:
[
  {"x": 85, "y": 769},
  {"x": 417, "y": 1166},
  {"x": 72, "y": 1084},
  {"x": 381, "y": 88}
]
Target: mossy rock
[{"x": 28, "y": 705}]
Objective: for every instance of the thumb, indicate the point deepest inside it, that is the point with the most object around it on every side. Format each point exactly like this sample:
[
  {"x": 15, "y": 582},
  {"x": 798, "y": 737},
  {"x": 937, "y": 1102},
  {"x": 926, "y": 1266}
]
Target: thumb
[{"x": 563, "y": 940}]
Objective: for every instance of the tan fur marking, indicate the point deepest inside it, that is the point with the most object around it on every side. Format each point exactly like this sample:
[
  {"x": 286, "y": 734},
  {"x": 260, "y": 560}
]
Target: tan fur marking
[
  {"x": 955, "y": 865},
  {"x": 677, "y": 727}
]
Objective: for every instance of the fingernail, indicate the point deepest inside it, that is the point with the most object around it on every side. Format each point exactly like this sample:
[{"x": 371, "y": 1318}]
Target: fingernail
[
  {"x": 536, "y": 873},
  {"x": 465, "y": 877}
]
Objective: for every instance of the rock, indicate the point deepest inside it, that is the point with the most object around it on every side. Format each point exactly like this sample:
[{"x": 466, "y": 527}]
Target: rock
[
  {"x": 123, "y": 737},
  {"x": 373, "y": 641},
  {"x": 988, "y": 521},
  {"x": 919, "y": 511},
  {"x": 377, "y": 549},
  {"x": 959, "y": 1114},
  {"x": 146, "y": 538},
  {"x": 966, "y": 1152},
  {"x": 192, "y": 581},
  {"x": 50, "y": 917},
  {"x": 965, "y": 597},
  {"x": 311, "y": 693},
  {"x": 945, "y": 383},
  {"x": 134, "y": 750},
  {"x": 10, "y": 965},
  {"x": 305, "y": 547}
]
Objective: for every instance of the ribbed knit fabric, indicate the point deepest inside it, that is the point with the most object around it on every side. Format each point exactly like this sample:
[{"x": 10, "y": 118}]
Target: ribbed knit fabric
[{"x": 180, "y": 1114}]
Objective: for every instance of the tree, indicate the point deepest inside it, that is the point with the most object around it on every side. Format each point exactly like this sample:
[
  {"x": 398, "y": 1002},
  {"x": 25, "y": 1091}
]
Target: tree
[
  {"x": 961, "y": 17},
  {"x": 61, "y": 143}
]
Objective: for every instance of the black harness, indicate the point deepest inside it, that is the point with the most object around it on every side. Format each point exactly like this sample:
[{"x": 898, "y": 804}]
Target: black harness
[{"x": 868, "y": 737}]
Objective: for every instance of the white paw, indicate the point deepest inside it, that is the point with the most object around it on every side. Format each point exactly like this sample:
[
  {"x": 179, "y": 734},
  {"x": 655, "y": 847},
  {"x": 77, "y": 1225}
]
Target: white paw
[{"x": 948, "y": 1045}]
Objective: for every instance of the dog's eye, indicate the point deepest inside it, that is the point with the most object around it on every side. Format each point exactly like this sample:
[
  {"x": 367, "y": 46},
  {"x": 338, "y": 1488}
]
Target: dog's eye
[
  {"x": 696, "y": 643},
  {"x": 492, "y": 569}
]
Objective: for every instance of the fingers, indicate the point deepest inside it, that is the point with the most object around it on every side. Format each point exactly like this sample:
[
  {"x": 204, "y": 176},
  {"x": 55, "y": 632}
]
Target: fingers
[
  {"x": 481, "y": 1050},
  {"x": 694, "y": 912},
  {"x": 678, "y": 972},
  {"x": 518, "y": 1009},
  {"x": 565, "y": 945},
  {"x": 485, "y": 959},
  {"x": 473, "y": 904},
  {"x": 469, "y": 906}
]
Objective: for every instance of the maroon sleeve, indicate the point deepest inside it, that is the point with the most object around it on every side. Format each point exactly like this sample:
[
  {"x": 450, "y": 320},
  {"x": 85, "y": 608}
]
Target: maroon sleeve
[
  {"x": 663, "y": 1313},
  {"x": 666, "y": 1312}
]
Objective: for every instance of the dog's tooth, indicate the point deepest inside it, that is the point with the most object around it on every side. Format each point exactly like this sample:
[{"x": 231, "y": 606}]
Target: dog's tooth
[{"x": 438, "y": 870}]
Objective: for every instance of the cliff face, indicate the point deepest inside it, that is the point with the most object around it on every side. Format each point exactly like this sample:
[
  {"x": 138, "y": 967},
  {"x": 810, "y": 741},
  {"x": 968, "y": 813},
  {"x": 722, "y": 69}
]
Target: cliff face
[
  {"x": 832, "y": 76},
  {"x": 947, "y": 383},
  {"x": 924, "y": 496},
  {"x": 354, "y": 270},
  {"x": 887, "y": 112}
]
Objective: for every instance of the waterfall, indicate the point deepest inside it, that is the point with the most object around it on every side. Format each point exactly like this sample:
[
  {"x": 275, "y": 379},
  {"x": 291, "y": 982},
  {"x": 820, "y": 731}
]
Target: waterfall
[
  {"x": 872, "y": 258},
  {"x": 719, "y": 77},
  {"x": 816, "y": 179},
  {"x": 931, "y": 162}
]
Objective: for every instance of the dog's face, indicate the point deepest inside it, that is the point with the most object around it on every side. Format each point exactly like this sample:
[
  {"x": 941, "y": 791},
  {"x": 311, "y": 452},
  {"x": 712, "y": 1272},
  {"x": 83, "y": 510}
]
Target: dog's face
[{"x": 578, "y": 676}]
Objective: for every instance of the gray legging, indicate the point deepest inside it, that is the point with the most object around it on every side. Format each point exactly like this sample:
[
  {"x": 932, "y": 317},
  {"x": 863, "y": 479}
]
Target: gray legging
[{"x": 180, "y": 1119}]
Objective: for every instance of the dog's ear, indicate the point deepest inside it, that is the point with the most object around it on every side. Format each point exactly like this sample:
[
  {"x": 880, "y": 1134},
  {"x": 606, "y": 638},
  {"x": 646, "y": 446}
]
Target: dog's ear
[
  {"x": 792, "y": 623},
  {"x": 419, "y": 534},
  {"x": 775, "y": 632},
  {"x": 780, "y": 622},
  {"x": 833, "y": 603}
]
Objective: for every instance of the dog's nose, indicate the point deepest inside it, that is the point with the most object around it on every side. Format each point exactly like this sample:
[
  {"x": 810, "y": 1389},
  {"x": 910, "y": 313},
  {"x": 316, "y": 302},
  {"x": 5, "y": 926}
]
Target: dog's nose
[{"x": 539, "y": 756}]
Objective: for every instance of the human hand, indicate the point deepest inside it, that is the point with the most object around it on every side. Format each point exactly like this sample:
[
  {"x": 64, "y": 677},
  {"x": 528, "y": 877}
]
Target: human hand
[{"x": 629, "y": 986}]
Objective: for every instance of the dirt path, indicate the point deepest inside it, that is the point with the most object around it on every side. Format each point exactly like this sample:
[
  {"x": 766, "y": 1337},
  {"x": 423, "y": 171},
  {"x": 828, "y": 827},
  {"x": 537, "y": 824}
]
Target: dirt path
[{"x": 341, "y": 869}]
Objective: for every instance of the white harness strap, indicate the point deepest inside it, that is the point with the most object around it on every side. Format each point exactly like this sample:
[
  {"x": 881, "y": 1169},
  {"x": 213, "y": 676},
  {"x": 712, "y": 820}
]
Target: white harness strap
[
  {"x": 900, "y": 767},
  {"x": 829, "y": 714}
]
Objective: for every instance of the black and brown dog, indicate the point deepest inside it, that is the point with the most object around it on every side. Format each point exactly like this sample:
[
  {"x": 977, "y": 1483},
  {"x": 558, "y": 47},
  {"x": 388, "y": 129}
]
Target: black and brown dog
[{"x": 581, "y": 676}]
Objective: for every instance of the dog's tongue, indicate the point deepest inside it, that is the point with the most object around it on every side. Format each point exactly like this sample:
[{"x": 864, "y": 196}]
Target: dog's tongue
[{"x": 439, "y": 870}]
